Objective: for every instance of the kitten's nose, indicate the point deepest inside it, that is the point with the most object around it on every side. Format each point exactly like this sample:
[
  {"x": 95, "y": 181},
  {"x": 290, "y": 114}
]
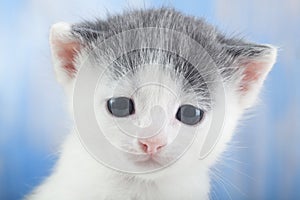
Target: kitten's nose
[{"x": 152, "y": 145}]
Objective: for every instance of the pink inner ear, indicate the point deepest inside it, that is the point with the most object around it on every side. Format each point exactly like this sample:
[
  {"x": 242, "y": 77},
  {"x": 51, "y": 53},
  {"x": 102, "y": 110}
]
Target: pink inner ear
[
  {"x": 66, "y": 52},
  {"x": 253, "y": 72}
]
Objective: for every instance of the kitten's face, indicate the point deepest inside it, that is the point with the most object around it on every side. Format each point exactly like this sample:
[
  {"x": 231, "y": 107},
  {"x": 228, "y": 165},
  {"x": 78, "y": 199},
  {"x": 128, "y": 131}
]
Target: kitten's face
[
  {"x": 155, "y": 106},
  {"x": 156, "y": 113},
  {"x": 157, "y": 109}
]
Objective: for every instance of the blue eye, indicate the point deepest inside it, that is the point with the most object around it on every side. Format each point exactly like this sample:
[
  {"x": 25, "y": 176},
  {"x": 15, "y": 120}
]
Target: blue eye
[
  {"x": 189, "y": 114},
  {"x": 120, "y": 106}
]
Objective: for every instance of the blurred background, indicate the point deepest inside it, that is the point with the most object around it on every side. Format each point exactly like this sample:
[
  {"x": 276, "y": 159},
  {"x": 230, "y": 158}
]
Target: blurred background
[{"x": 264, "y": 161}]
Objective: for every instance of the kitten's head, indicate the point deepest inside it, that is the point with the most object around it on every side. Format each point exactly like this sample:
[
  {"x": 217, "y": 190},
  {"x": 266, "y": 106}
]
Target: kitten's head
[{"x": 165, "y": 83}]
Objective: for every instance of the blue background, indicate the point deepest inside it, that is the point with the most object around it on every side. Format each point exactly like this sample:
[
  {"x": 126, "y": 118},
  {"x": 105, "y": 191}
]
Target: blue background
[{"x": 264, "y": 158}]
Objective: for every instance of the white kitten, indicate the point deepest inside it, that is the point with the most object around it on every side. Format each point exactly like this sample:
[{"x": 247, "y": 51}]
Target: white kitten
[{"x": 185, "y": 100}]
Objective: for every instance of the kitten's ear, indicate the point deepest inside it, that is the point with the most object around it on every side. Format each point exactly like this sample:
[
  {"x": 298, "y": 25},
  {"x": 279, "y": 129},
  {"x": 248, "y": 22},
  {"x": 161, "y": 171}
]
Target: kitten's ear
[
  {"x": 64, "y": 49},
  {"x": 253, "y": 63}
]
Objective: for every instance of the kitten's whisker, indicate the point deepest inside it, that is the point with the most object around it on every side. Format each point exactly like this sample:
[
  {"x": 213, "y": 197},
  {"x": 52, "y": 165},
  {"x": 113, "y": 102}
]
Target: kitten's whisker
[
  {"x": 213, "y": 192},
  {"x": 238, "y": 171},
  {"x": 217, "y": 173},
  {"x": 222, "y": 182}
]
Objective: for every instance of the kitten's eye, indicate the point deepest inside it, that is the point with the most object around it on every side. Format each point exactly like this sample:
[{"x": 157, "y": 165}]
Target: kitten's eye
[
  {"x": 189, "y": 114},
  {"x": 120, "y": 106}
]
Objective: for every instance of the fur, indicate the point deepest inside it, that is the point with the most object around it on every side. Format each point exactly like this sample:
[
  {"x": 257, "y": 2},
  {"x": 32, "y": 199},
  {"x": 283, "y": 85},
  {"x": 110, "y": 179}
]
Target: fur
[{"x": 243, "y": 67}]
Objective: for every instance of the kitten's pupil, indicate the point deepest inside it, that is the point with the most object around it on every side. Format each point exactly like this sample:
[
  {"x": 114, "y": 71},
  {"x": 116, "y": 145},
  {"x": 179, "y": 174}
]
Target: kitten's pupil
[
  {"x": 120, "y": 106},
  {"x": 189, "y": 114}
]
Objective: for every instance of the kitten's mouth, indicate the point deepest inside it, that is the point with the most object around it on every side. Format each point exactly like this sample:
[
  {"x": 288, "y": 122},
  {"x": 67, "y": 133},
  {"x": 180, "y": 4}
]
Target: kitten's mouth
[
  {"x": 158, "y": 160},
  {"x": 152, "y": 160},
  {"x": 149, "y": 161}
]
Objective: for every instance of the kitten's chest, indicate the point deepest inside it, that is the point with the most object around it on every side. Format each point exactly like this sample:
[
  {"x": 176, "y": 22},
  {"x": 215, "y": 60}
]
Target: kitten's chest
[
  {"x": 175, "y": 190},
  {"x": 132, "y": 194}
]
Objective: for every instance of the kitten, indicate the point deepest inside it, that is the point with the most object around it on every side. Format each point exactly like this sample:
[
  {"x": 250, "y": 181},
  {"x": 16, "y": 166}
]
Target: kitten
[{"x": 163, "y": 76}]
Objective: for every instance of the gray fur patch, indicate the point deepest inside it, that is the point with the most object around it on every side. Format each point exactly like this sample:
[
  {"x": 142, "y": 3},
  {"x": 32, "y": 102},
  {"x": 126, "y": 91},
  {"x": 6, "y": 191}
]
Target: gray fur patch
[{"x": 222, "y": 50}]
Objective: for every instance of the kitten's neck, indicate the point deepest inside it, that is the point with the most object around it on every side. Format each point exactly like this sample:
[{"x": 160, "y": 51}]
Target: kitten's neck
[{"x": 180, "y": 186}]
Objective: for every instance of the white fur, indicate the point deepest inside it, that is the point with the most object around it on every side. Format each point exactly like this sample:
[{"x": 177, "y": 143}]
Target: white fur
[{"x": 78, "y": 176}]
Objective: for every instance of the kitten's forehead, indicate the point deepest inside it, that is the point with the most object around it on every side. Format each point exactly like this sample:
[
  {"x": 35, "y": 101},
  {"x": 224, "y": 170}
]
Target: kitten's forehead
[
  {"x": 148, "y": 77},
  {"x": 164, "y": 43},
  {"x": 156, "y": 83}
]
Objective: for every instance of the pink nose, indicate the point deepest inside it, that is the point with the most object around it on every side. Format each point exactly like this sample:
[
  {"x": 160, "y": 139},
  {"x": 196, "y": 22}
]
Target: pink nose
[{"x": 152, "y": 145}]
